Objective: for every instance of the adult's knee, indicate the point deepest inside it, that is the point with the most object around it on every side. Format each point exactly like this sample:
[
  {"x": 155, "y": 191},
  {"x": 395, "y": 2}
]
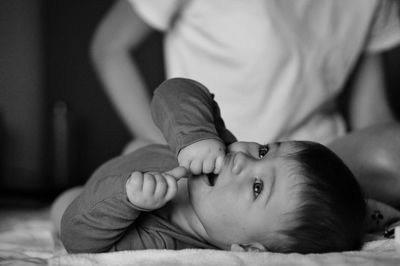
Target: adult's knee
[
  {"x": 381, "y": 150},
  {"x": 383, "y": 159},
  {"x": 373, "y": 154}
]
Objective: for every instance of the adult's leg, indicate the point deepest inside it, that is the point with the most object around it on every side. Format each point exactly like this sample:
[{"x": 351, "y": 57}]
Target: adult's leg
[
  {"x": 373, "y": 154},
  {"x": 60, "y": 205}
]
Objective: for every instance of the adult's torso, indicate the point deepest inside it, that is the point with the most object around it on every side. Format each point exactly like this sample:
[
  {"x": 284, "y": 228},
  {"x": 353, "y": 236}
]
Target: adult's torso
[{"x": 275, "y": 67}]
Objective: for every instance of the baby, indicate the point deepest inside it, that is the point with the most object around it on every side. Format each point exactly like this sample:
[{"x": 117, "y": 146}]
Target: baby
[{"x": 206, "y": 190}]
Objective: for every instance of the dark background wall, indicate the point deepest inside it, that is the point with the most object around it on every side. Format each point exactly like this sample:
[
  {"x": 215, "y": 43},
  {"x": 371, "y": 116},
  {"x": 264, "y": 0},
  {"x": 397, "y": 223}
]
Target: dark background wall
[
  {"x": 21, "y": 94},
  {"x": 56, "y": 123},
  {"x": 97, "y": 134}
]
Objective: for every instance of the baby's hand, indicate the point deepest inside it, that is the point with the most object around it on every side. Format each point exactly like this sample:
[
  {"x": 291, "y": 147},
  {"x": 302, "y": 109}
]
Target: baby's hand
[
  {"x": 152, "y": 190},
  {"x": 205, "y": 156}
]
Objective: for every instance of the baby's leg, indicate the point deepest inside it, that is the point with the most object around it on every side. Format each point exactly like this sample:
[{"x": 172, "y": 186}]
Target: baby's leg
[
  {"x": 373, "y": 154},
  {"x": 60, "y": 205}
]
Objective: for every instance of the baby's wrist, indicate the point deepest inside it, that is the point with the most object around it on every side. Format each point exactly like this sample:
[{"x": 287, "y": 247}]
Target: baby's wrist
[{"x": 138, "y": 208}]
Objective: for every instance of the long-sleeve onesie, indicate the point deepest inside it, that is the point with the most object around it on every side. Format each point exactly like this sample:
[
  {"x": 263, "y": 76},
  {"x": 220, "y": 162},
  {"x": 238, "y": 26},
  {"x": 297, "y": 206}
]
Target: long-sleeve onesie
[{"x": 102, "y": 218}]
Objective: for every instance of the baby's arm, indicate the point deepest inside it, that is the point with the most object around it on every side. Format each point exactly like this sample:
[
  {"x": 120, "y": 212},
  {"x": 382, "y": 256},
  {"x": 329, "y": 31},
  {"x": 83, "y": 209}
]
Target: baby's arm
[
  {"x": 185, "y": 112},
  {"x": 102, "y": 214},
  {"x": 97, "y": 219},
  {"x": 190, "y": 120}
]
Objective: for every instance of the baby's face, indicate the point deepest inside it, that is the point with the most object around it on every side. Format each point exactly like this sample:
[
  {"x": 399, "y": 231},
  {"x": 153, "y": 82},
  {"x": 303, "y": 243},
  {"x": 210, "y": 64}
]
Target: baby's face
[{"x": 249, "y": 198}]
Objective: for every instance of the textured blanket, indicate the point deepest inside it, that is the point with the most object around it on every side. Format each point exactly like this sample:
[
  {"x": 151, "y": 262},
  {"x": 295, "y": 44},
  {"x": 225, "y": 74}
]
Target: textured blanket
[
  {"x": 27, "y": 238},
  {"x": 375, "y": 253}
]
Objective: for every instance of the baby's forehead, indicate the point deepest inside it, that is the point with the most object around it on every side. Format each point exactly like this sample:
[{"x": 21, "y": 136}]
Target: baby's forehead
[
  {"x": 294, "y": 175},
  {"x": 291, "y": 146},
  {"x": 296, "y": 180}
]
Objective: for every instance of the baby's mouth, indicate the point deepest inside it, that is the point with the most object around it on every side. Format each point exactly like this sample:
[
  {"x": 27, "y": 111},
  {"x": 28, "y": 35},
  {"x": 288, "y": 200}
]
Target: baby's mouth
[{"x": 211, "y": 177}]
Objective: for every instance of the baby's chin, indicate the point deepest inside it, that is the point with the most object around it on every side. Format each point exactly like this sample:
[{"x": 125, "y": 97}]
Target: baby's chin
[
  {"x": 190, "y": 186},
  {"x": 197, "y": 187}
]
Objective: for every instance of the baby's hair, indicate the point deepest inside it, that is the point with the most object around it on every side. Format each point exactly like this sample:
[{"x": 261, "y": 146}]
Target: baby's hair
[{"x": 331, "y": 214}]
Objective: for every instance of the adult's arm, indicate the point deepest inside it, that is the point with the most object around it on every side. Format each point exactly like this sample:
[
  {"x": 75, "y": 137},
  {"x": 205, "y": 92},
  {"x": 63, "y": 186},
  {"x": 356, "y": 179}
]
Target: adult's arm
[
  {"x": 186, "y": 112},
  {"x": 120, "y": 31},
  {"x": 368, "y": 103}
]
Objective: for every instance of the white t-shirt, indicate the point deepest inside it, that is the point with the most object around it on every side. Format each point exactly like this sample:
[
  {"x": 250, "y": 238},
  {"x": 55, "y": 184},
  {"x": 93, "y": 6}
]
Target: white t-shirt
[{"x": 275, "y": 66}]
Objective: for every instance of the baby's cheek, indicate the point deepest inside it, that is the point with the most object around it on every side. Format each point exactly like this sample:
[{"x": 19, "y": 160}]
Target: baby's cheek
[{"x": 227, "y": 225}]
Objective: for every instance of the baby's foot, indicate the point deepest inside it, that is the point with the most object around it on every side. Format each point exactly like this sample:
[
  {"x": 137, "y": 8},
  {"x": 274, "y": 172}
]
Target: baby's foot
[{"x": 380, "y": 216}]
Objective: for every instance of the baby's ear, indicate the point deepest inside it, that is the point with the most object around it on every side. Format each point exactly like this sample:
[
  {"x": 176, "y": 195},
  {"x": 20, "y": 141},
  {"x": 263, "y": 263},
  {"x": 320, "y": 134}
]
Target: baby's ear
[{"x": 249, "y": 247}]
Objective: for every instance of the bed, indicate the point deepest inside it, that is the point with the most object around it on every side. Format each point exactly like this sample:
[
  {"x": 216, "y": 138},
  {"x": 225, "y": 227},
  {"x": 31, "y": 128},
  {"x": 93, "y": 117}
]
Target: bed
[{"x": 27, "y": 238}]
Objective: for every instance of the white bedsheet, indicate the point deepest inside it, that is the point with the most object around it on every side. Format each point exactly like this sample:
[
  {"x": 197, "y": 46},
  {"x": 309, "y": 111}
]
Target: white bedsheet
[
  {"x": 26, "y": 238},
  {"x": 376, "y": 253}
]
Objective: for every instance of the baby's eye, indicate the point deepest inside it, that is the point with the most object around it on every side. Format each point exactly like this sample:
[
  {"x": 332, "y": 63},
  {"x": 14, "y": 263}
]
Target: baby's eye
[
  {"x": 262, "y": 151},
  {"x": 258, "y": 186}
]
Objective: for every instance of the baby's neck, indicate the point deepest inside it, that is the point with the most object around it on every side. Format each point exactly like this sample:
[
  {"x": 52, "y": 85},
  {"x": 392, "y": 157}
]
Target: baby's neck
[{"x": 180, "y": 213}]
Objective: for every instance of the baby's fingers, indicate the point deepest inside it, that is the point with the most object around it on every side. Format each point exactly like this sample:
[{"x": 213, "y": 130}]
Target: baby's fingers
[
  {"x": 149, "y": 183},
  {"x": 196, "y": 167},
  {"x": 161, "y": 186},
  {"x": 135, "y": 182},
  {"x": 218, "y": 164},
  {"x": 208, "y": 166},
  {"x": 184, "y": 161},
  {"x": 178, "y": 172},
  {"x": 172, "y": 187}
]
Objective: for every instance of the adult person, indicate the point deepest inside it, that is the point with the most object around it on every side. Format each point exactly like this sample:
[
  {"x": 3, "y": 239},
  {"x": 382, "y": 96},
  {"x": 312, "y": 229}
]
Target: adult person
[{"x": 275, "y": 67}]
